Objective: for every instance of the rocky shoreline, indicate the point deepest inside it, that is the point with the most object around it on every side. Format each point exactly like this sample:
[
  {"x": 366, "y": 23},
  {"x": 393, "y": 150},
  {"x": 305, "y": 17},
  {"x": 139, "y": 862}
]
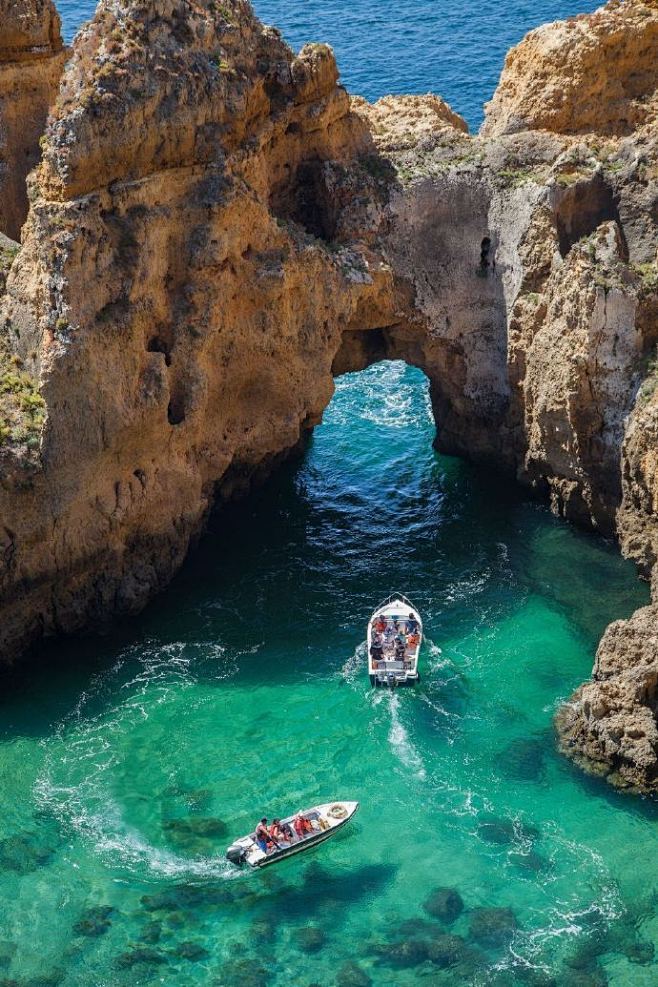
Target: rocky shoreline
[{"x": 215, "y": 230}]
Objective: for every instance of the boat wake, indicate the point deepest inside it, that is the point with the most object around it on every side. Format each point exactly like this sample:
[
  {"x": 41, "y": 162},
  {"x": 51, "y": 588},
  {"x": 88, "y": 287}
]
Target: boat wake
[
  {"x": 355, "y": 663},
  {"x": 75, "y": 785},
  {"x": 398, "y": 738}
]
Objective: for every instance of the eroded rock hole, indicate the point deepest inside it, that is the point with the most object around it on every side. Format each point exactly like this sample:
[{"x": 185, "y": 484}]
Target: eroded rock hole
[
  {"x": 485, "y": 250},
  {"x": 359, "y": 349},
  {"x": 305, "y": 200},
  {"x": 582, "y": 209},
  {"x": 176, "y": 409},
  {"x": 159, "y": 345}
]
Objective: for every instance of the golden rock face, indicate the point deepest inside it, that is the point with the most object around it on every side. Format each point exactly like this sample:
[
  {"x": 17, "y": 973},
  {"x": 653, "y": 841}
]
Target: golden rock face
[
  {"x": 591, "y": 74},
  {"x": 31, "y": 61}
]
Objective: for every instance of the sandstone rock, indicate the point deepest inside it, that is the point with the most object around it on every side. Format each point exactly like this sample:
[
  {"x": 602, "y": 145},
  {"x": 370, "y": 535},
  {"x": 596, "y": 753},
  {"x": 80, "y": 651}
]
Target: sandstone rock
[
  {"x": 445, "y": 904},
  {"x": 493, "y": 927},
  {"x": 609, "y": 725},
  {"x": 31, "y": 62},
  {"x": 594, "y": 73}
]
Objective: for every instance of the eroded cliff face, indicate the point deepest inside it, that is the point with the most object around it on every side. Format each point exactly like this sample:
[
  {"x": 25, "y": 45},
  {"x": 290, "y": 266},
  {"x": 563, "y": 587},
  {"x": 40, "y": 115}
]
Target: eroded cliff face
[
  {"x": 32, "y": 58},
  {"x": 590, "y": 74},
  {"x": 174, "y": 297},
  {"x": 216, "y": 230}
]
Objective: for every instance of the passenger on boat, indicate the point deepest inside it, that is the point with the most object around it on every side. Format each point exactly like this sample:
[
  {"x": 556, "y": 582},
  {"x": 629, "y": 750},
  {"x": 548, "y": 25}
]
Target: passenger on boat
[
  {"x": 264, "y": 839},
  {"x": 280, "y": 831},
  {"x": 380, "y": 624},
  {"x": 400, "y": 646},
  {"x": 377, "y": 647},
  {"x": 302, "y": 825},
  {"x": 412, "y": 624},
  {"x": 412, "y": 640},
  {"x": 389, "y": 632}
]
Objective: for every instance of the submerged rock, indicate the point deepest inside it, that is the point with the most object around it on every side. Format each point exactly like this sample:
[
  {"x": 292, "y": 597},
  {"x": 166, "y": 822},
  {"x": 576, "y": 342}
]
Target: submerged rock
[
  {"x": 24, "y": 852},
  {"x": 445, "y": 904},
  {"x": 140, "y": 955},
  {"x": 416, "y": 927},
  {"x": 404, "y": 954},
  {"x": 7, "y": 953},
  {"x": 493, "y": 926},
  {"x": 522, "y": 760},
  {"x": 94, "y": 921},
  {"x": 175, "y": 920},
  {"x": 197, "y": 836},
  {"x": 52, "y": 979},
  {"x": 531, "y": 862},
  {"x": 447, "y": 950},
  {"x": 351, "y": 975},
  {"x": 262, "y": 930},
  {"x": 585, "y": 955},
  {"x": 596, "y": 977},
  {"x": 639, "y": 951},
  {"x": 503, "y": 832},
  {"x": 310, "y": 939},
  {"x": 242, "y": 972},
  {"x": 151, "y": 933},
  {"x": 184, "y": 896},
  {"x": 193, "y": 951}
]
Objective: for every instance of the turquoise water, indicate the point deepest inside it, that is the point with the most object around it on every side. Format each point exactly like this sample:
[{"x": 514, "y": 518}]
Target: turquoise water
[
  {"x": 454, "y": 47},
  {"x": 128, "y": 764}
]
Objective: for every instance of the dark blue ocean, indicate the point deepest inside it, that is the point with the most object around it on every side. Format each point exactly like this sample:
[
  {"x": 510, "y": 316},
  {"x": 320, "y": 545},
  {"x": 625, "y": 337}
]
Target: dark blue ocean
[{"x": 455, "y": 48}]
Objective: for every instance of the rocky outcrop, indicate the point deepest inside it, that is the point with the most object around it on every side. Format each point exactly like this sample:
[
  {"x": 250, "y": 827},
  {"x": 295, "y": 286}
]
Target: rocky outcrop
[
  {"x": 181, "y": 178},
  {"x": 31, "y": 62},
  {"x": 250, "y": 233},
  {"x": 609, "y": 725},
  {"x": 590, "y": 74}
]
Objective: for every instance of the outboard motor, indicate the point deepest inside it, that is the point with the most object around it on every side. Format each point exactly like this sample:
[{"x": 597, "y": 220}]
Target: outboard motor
[{"x": 236, "y": 855}]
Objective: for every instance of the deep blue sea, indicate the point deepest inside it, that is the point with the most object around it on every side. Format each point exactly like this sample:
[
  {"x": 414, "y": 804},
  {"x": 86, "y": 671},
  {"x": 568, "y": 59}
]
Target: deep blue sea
[{"x": 455, "y": 48}]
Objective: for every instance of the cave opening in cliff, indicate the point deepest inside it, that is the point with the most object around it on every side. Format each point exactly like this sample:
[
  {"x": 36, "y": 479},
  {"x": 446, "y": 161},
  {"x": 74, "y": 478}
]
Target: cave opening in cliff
[{"x": 582, "y": 209}]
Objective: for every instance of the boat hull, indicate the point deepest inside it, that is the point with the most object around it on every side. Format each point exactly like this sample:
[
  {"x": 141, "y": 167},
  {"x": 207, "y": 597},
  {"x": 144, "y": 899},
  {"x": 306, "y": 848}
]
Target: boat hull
[
  {"x": 312, "y": 841},
  {"x": 391, "y": 670},
  {"x": 246, "y": 851}
]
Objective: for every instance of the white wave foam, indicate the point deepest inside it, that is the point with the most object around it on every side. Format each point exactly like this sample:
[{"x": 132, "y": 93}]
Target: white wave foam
[
  {"x": 355, "y": 663},
  {"x": 399, "y": 740}
]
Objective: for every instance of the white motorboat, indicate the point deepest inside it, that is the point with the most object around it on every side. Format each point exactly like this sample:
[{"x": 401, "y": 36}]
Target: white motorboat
[
  {"x": 324, "y": 820},
  {"x": 395, "y": 635}
]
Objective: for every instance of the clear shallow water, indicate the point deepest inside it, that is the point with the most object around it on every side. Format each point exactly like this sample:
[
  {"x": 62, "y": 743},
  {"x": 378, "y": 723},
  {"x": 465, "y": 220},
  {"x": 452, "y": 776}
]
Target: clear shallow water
[
  {"x": 128, "y": 764},
  {"x": 455, "y": 48}
]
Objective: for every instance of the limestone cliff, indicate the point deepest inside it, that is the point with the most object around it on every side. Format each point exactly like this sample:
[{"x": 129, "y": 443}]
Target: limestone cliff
[
  {"x": 590, "y": 74},
  {"x": 174, "y": 297},
  {"x": 31, "y": 63},
  {"x": 216, "y": 230}
]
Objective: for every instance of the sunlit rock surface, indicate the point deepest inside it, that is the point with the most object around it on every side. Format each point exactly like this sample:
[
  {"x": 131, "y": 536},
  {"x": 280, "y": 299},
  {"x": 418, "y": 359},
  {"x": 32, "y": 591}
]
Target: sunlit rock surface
[{"x": 31, "y": 63}]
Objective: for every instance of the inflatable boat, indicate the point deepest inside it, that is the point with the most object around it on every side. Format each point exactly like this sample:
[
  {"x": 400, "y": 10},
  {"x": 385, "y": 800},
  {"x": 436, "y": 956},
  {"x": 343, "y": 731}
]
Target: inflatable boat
[{"x": 322, "y": 822}]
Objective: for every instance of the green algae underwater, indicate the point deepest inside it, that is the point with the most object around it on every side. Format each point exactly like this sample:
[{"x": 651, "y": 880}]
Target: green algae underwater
[{"x": 478, "y": 856}]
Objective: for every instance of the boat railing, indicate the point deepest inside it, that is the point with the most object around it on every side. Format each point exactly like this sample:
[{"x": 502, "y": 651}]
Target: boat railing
[{"x": 397, "y": 596}]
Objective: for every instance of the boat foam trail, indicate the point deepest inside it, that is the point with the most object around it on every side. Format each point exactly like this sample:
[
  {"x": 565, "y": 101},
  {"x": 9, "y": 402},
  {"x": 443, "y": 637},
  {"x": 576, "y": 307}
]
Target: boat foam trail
[
  {"x": 398, "y": 738},
  {"x": 354, "y": 664}
]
